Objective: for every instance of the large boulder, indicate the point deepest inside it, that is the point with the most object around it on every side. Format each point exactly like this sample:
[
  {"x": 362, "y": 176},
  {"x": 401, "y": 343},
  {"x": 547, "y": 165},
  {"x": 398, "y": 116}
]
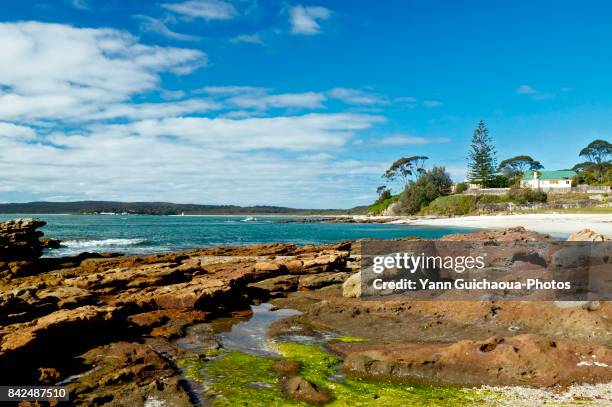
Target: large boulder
[
  {"x": 587, "y": 235},
  {"x": 351, "y": 288}
]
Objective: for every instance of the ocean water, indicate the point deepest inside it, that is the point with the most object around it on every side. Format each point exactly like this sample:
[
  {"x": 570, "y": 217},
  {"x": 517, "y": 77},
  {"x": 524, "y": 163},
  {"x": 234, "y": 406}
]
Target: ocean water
[{"x": 139, "y": 234}]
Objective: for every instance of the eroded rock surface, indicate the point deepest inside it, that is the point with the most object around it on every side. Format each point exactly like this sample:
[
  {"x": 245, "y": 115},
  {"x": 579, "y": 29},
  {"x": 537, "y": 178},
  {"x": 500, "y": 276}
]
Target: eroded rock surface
[
  {"x": 108, "y": 320},
  {"x": 105, "y": 324}
]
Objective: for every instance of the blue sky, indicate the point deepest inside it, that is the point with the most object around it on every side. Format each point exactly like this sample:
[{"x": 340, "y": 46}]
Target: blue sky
[{"x": 300, "y": 104}]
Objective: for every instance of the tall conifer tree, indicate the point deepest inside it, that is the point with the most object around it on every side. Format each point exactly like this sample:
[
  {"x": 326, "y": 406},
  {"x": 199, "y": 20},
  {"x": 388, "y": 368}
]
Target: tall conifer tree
[{"x": 481, "y": 158}]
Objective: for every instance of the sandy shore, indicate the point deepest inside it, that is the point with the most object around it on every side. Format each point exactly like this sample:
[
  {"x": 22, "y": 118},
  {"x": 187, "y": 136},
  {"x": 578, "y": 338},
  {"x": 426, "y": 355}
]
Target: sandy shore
[{"x": 554, "y": 224}]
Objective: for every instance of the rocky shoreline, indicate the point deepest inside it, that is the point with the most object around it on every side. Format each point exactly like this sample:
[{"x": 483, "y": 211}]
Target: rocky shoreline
[{"x": 107, "y": 326}]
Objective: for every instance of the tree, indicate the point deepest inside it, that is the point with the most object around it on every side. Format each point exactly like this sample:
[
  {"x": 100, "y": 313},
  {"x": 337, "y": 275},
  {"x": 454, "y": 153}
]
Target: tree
[
  {"x": 404, "y": 168},
  {"x": 481, "y": 157},
  {"x": 597, "y": 153},
  {"x": 516, "y": 166},
  {"x": 429, "y": 186},
  {"x": 383, "y": 193}
]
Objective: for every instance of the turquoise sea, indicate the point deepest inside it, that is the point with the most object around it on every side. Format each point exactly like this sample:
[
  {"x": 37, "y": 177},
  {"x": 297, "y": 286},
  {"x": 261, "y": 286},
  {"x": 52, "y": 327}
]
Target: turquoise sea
[{"x": 137, "y": 234}]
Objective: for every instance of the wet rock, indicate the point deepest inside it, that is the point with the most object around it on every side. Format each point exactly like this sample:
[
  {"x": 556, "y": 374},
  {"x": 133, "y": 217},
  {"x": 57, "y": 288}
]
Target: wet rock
[
  {"x": 301, "y": 389},
  {"x": 49, "y": 243}
]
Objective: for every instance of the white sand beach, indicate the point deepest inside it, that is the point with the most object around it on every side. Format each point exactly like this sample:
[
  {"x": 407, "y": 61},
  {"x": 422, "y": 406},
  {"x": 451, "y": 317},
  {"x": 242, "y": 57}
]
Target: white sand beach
[{"x": 551, "y": 223}]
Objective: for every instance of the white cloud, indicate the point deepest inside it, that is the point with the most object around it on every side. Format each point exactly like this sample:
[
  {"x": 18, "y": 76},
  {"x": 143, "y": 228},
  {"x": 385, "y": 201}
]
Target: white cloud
[
  {"x": 402, "y": 140},
  {"x": 204, "y": 9},
  {"x": 68, "y": 84},
  {"x": 309, "y": 100},
  {"x": 535, "y": 94},
  {"x": 305, "y": 20},
  {"x": 249, "y": 97},
  {"x": 60, "y": 72},
  {"x": 196, "y": 160},
  {"x": 525, "y": 90},
  {"x": 158, "y": 26},
  {"x": 231, "y": 90},
  {"x": 357, "y": 96},
  {"x": 10, "y": 130},
  {"x": 432, "y": 103},
  {"x": 80, "y": 4},
  {"x": 172, "y": 94},
  {"x": 309, "y": 132},
  {"x": 153, "y": 110},
  {"x": 248, "y": 39}
]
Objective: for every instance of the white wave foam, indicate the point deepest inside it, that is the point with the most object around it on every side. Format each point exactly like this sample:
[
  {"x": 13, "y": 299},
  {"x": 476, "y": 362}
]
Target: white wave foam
[{"x": 82, "y": 244}]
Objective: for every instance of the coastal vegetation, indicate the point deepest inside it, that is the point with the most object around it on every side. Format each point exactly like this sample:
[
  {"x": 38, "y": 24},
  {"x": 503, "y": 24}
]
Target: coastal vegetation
[
  {"x": 597, "y": 170},
  {"x": 459, "y": 204},
  {"x": 237, "y": 378},
  {"x": 429, "y": 186},
  {"x": 430, "y": 192}
]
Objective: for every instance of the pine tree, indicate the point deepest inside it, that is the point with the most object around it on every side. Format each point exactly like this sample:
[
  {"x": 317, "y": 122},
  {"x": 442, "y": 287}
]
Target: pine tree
[{"x": 481, "y": 157}]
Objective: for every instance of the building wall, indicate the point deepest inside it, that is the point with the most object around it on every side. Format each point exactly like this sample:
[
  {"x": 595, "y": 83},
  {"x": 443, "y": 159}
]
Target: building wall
[{"x": 546, "y": 184}]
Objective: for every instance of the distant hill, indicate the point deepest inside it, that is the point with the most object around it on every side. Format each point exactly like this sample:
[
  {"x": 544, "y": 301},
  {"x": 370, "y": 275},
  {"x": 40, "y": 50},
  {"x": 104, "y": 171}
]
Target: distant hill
[{"x": 163, "y": 208}]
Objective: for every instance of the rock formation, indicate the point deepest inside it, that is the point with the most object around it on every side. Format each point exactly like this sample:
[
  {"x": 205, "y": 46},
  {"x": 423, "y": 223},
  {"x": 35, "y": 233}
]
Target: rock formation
[
  {"x": 20, "y": 246},
  {"x": 112, "y": 321}
]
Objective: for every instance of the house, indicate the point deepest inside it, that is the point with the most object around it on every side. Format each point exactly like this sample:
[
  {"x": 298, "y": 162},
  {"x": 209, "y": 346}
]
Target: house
[{"x": 548, "y": 179}]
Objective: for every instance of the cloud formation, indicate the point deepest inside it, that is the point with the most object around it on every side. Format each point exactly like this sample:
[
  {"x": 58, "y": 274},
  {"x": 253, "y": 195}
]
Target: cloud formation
[
  {"x": 73, "y": 125},
  {"x": 158, "y": 26},
  {"x": 205, "y": 9},
  {"x": 534, "y": 93},
  {"x": 61, "y": 72},
  {"x": 305, "y": 19},
  {"x": 357, "y": 97}
]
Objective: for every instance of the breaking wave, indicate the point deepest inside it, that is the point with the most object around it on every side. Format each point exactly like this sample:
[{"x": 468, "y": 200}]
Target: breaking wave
[{"x": 86, "y": 244}]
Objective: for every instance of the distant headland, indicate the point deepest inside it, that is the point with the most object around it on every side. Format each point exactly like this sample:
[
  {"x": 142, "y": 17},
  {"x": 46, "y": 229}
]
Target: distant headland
[{"x": 162, "y": 208}]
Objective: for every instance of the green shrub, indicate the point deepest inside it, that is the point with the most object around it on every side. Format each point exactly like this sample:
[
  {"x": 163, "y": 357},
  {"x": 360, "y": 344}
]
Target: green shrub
[
  {"x": 526, "y": 195},
  {"x": 498, "y": 181},
  {"x": 461, "y": 187},
  {"x": 379, "y": 207},
  {"x": 451, "y": 205},
  {"x": 430, "y": 185}
]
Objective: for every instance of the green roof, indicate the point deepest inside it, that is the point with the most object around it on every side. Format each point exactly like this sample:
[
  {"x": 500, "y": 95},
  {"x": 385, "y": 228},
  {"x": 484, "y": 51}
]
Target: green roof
[{"x": 561, "y": 174}]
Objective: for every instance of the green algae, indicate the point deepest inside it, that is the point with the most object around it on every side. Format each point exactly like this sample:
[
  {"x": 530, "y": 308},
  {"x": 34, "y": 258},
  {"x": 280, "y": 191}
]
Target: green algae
[
  {"x": 350, "y": 339},
  {"x": 240, "y": 379},
  {"x": 192, "y": 367}
]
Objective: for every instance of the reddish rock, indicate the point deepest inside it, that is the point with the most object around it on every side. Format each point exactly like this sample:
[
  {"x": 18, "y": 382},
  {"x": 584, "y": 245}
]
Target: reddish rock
[
  {"x": 301, "y": 389},
  {"x": 521, "y": 360},
  {"x": 516, "y": 234},
  {"x": 286, "y": 367}
]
